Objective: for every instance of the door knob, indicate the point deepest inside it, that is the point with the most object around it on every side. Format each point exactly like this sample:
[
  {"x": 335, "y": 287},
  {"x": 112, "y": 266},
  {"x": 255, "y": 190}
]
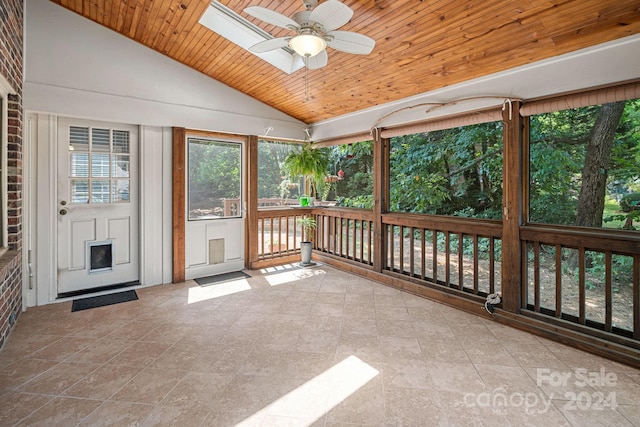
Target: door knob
[{"x": 63, "y": 211}]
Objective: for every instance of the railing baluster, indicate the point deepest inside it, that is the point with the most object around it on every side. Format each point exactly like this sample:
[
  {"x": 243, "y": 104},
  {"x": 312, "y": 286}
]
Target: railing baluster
[
  {"x": 391, "y": 230},
  {"x": 536, "y": 276},
  {"x": 492, "y": 265},
  {"x": 334, "y": 233},
  {"x": 262, "y": 231},
  {"x": 581, "y": 286},
  {"x": 558, "y": 281},
  {"x": 475, "y": 264},
  {"x": 361, "y": 240},
  {"x": 460, "y": 261},
  {"x": 447, "y": 259},
  {"x": 434, "y": 252},
  {"x": 424, "y": 256},
  {"x": 636, "y": 296},
  {"x": 411, "y": 252},
  {"x": 370, "y": 240},
  {"x": 339, "y": 236},
  {"x": 608, "y": 315},
  {"x": 354, "y": 246},
  {"x": 401, "y": 242},
  {"x": 286, "y": 236},
  {"x": 271, "y": 227},
  {"x": 279, "y": 234}
]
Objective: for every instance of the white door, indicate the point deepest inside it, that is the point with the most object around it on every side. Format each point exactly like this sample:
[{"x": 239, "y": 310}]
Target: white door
[{"x": 97, "y": 205}]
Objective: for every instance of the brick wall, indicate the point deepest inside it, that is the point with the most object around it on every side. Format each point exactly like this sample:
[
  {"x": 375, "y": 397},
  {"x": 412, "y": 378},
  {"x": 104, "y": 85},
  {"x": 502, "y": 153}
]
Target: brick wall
[{"x": 11, "y": 60}]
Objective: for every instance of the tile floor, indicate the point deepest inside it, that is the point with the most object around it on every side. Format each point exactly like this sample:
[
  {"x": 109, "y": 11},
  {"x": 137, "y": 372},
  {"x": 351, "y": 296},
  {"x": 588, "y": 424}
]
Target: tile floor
[{"x": 298, "y": 347}]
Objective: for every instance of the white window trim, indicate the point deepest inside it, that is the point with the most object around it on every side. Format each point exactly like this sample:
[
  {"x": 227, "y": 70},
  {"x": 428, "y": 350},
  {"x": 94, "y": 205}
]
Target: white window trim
[{"x": 5, "y": 91}]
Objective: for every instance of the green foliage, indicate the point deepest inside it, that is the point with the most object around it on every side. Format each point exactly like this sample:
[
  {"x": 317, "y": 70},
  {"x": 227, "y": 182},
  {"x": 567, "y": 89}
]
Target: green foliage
[
  {"x": 214, "y": 173},
  {"x": 449, "y": 172},
  {"x": 558, "y": 143},
  {"x": 307, "y": 162},
  {"x": 271, "y": 180},
  {"x": 362, "y": 202},
  {"x": 356, "y": 162},
  {"x": 308, "y": 224},
  {"x": 629, "y": 201}
]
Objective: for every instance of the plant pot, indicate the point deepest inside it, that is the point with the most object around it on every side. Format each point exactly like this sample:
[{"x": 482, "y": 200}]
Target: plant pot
[{"x": 305, "y": 252}]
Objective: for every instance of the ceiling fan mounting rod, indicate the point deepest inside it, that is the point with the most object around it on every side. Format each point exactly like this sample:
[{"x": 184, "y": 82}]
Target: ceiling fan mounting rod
[{"x": 309, "y": 4}]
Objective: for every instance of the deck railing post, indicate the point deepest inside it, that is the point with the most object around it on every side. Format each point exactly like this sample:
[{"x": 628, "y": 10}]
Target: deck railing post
[
  {"x": 251, "y": 248},
  {"x": 512, "y": 215},
  {"x": 380, "y": 199}
]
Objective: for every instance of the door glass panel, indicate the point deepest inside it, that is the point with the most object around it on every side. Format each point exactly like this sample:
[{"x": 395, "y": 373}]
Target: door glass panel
[
  {"x": 120, "y": 191},
  {"x": 79, "y": 164},
  {"x": 100, "y": 191},
  {"x": 93, "y": 156},
  {"x": 100, "y": 165},
  {"x": 215, "y": 171},
  {"x": 79, "y": 191},
  {"x": 120, "y": 165}
]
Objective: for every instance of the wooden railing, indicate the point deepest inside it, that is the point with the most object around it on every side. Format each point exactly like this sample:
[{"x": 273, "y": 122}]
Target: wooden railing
[
  {"x": 278, "y": 232},
  {"x": 456, "y": 253},
  {"x": 587, "y": 277},
  {"x": 346, "y": 233}
]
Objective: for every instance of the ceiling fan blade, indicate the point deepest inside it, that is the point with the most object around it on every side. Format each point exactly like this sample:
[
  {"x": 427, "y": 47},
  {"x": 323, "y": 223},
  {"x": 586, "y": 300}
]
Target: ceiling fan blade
[
  {"x": 331, "y": 14},
  {"x": 271, "y": 44},
  {"x": 271, "y": 17},
  {"x": 317, "y": 61},
  {"x": 350, "y": 42}
]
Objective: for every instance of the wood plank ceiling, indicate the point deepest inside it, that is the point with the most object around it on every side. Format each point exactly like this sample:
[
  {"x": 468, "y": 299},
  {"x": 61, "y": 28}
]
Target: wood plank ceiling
[{"x": 421, "y": 45}]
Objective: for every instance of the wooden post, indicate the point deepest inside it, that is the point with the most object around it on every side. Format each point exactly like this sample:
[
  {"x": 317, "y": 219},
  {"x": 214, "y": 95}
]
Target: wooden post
[
  {"x": 251, "y": 221},
  {"x": 179, "y": 200},
  {"x": 380, "y": 199},
  {"x": 512, "y": 215}
]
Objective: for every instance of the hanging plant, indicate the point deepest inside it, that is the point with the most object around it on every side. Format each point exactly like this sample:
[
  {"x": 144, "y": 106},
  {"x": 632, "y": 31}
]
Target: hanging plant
[{"x": 307, "y": 162}]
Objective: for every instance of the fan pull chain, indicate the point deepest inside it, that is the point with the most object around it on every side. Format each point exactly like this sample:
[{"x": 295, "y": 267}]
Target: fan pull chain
[{"x": 306, "y": 78}]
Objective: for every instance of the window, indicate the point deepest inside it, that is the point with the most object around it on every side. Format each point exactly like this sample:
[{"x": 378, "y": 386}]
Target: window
[
  {"x": 99, "y": 163},
  {"x": 585, "y": 166},
  {"x": 215, "y": 184},
  {"x": 274, "y": 187},
  {"x": 350, "y": 179},
  {"x": 454, "y": 171}
]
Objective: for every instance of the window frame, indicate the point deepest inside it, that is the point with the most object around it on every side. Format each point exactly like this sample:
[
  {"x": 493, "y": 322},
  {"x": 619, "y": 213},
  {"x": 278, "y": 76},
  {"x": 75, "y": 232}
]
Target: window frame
[
  {"x": 5, "y": 91},
  {"x": 241, "y": 203}
]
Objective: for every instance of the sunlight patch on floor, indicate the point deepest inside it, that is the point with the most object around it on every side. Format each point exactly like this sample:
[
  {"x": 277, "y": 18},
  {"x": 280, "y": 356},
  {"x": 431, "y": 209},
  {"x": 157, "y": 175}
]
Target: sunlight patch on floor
[
  {"x": 309, "y": 402},
  {"x": 276, "y": 279},
  {"x": 198, "y": 293}
]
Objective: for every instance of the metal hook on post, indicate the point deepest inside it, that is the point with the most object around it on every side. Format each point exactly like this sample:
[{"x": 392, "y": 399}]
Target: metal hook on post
[{"x": 504, "y": 105}]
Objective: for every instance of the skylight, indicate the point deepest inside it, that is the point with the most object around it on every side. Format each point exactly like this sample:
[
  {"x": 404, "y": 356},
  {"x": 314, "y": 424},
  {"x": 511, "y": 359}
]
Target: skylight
[{"x": 230, "y": 25}]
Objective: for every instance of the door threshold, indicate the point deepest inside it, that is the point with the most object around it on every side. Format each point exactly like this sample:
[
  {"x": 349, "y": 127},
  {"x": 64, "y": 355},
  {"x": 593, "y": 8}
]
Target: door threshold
[{"x": 99, "y": 289}]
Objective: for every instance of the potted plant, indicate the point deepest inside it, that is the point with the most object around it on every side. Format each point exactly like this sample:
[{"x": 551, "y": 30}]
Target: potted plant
[
  {"x": 309, "y": 163},
  {"x": 308, "y": 224}
]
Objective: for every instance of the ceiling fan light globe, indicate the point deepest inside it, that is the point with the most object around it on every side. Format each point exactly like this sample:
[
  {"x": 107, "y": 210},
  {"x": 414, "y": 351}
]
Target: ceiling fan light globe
[{"x": 307, "y": 45}]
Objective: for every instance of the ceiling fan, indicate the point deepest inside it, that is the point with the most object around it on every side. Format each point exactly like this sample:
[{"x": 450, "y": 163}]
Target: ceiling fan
[{"x": 315, "y": 30}]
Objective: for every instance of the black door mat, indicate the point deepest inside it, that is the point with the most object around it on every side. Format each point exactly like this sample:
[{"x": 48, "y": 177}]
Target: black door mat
[
  {"x": 221, "y": 278},
  {"x": 102, "y": 300}
]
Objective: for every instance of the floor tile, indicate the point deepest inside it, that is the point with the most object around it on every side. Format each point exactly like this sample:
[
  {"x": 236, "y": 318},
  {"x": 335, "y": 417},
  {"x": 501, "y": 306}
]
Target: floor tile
[
  {"x": 306, "y": 347},
  {"x": 61, "y": 411}
]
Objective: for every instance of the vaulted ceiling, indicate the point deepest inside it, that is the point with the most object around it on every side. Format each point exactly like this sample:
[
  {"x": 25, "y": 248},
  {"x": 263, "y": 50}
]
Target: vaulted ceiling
[{"x": 421, "y": 45}]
